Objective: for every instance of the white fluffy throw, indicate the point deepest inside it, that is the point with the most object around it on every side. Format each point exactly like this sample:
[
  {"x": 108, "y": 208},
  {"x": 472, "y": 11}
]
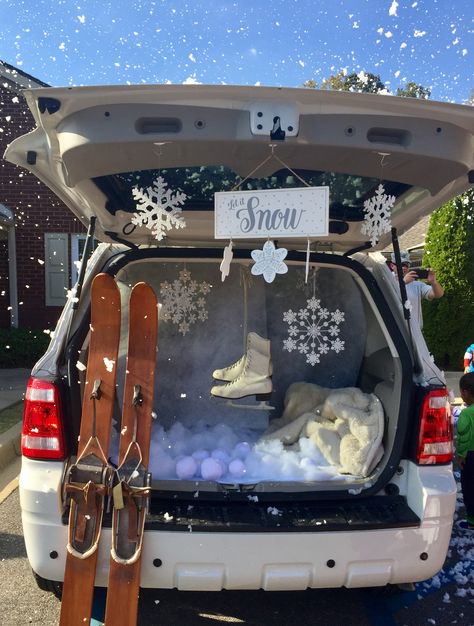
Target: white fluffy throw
[{"x": 345, "y": 424}]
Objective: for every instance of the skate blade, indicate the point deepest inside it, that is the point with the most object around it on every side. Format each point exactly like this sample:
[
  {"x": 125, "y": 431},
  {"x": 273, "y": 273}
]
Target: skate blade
[{"x": 261, "y": 405}]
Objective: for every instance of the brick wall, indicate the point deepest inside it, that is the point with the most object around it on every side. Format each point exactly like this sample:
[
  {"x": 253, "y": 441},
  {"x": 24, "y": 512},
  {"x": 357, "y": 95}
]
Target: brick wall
[{"x": 37, "y": 211}]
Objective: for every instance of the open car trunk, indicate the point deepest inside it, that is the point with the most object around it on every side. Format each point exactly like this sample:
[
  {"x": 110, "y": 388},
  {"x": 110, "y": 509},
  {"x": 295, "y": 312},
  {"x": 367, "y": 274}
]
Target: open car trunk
[{"x": 340, "y": 376}]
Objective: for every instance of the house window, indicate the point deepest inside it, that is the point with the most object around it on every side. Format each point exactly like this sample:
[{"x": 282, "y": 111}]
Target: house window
[{"x": 78, "y": 243}]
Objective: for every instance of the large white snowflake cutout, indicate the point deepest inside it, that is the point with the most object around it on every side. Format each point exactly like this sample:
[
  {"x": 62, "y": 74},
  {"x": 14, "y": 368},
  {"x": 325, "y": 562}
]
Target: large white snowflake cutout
[
  {"x": 158, "y": 208},
  {"x": 269, "y": 261},
  {"x": 377, "y": 212},
  {"x": 183, "y": 301},
  {"x": 313, "y": 331}
]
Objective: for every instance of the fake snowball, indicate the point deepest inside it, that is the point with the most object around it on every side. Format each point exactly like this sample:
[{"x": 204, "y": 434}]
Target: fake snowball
[
  {"x": 237, "y": 468},
  {"x": 211, "y": 469},
  {"x": 200, "y": 455},
  {"x": 186, "y": 467},
  {"x": 242, "y": 449}
]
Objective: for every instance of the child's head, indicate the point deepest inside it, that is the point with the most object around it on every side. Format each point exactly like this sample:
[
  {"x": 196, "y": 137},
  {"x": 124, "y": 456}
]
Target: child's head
[{"x": 466, "y": 386}]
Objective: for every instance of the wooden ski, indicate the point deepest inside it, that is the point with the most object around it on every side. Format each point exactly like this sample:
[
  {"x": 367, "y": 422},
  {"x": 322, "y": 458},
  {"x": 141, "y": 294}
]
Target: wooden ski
[
  {"x": 132, "y": 480},
  {"x": 87, "y": 483}
]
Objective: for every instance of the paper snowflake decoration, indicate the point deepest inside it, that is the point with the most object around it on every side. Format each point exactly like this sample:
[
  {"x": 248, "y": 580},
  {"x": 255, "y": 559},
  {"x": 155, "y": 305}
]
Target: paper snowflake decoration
[
  {"x": 226, "y": 261},
  {"x": 269, "y": 261},
  {"x": 183, "y": 302},
  {"x": 313, "y": 331},
  {"x": 377, "y": 213},
  {"x": 158, "y": 208}
]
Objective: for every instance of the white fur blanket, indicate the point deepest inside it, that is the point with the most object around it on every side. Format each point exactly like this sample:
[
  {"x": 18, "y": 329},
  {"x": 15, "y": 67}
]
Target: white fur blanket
[{"x": 345, "y": 424}]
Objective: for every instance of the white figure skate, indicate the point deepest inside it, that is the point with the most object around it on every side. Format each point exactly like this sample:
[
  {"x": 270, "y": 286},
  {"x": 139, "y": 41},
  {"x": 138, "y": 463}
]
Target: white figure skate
[{"x": 250, "y": 376}]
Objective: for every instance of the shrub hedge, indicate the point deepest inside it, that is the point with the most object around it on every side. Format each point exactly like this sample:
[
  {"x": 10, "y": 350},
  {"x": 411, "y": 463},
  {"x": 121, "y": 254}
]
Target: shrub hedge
[
  {"x": 449, "y": 249},
  {"x": 21, "y": 347}
]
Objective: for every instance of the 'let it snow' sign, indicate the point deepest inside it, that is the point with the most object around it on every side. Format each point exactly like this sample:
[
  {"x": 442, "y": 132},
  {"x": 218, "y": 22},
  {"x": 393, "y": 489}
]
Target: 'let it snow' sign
[{"x": 301, "y": 212}]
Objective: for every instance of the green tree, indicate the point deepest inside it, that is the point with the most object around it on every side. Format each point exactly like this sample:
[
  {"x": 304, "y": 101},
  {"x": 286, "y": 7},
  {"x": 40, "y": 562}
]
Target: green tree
[
  {"x": 362, "y": 82},
  {"x": 449, "y": 249},
  {"x": 414, "y": 90},
  {"x": 367, "y": 82}
]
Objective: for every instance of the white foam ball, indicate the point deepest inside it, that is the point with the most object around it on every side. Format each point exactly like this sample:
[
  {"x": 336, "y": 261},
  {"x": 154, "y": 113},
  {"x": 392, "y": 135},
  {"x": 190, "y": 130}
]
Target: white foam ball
[
  {"x": 211, "y": 469},
  {"x": 186, "y": 467},
  {"x": 242, "y": 449},
  {"x": 237, "y": 468},
  {"x": 200, "y": 455},
  {"x": 163, "y": 466},
  {"x": 220, "y": 454}
]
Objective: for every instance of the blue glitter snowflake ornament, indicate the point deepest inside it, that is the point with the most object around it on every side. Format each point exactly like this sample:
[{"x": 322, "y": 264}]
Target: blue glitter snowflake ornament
[{"x": 269, "y": 261}]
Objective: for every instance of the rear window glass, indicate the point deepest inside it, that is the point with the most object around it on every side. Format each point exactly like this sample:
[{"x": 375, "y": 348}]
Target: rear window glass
[{"x": 347, "y": 192}]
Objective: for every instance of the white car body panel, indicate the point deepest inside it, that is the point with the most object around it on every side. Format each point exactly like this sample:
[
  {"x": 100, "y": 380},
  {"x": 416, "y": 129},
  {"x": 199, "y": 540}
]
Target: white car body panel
[{"x": 197, "y": 561}]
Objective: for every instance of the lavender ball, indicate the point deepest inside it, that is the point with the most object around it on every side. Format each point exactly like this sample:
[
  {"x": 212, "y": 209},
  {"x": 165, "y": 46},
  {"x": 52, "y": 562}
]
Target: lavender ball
[
  {"x": 220, "y": 455},
  {"x": 237, "y": 468},
  {"x": 186, "y": 467},
  {"x": 242, "y": 449},
  {"x": 200, "y": 455},
  {"x": 211, "y": 469}
]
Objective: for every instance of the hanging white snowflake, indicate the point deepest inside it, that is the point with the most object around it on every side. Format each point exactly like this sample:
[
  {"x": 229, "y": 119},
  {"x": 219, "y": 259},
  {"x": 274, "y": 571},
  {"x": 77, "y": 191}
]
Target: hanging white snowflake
[
  {"x": 377, "y": 212},
  {"x": 158, "y": 208},
  {"x": 313, "y": 331},
  {"x": 269, "y": 261},
  {"x": 183, "y": 301},
  {"x": 226, "y": 261}
]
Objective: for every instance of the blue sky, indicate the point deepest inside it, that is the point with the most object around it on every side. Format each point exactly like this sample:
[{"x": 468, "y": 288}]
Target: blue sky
[{"x": 87, "y": 42}]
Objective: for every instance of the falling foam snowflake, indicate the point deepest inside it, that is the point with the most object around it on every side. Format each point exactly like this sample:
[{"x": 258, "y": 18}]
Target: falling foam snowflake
[
  {"x": 183, "y": 301},
  {"x": 313, "y": 331},
  {"x": 158, "y": 208},
  {"x": 377, "y": 214}
]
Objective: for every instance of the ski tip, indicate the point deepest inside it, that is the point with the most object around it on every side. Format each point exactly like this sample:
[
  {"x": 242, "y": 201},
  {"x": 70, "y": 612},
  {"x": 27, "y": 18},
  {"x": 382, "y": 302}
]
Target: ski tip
[
  {"x": 104, "y": 282},
  {"x": 105, "y": 291},
  {"x": 142, "y": 290}
]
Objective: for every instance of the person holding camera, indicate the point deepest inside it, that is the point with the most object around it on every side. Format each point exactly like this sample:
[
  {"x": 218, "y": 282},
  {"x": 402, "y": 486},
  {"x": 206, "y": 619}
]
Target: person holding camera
[{"x": 416, "y": 289}]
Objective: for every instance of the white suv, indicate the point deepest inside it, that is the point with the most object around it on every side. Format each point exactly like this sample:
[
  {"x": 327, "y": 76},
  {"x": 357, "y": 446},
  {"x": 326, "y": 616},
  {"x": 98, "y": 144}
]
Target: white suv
[{"x": 297, "y": 508}]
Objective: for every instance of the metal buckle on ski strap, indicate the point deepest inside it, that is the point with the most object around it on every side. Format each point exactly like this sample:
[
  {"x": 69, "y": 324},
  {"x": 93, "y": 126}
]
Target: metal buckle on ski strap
[
  {"x": 86, "y": 484},
  {"x": 131, "y": 501}
]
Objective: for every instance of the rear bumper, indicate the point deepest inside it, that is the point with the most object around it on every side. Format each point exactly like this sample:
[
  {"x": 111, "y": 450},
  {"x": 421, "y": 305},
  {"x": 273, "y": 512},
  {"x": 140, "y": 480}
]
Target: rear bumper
[{"x": 210, "y": 561}]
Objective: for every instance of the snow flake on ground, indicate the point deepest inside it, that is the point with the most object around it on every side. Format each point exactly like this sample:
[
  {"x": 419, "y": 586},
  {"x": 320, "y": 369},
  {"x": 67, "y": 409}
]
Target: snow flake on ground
[{"x": 313, "y": 331}]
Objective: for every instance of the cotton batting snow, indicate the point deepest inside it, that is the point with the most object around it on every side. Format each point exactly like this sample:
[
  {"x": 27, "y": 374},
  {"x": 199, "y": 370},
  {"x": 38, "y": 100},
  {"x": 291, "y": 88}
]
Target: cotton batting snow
[{"x": 224, "y": 454}]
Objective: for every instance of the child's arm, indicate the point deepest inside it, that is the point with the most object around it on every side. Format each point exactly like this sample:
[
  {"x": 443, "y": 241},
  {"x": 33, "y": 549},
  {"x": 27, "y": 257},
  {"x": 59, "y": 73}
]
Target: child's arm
[{"x": 465, "y": 438}]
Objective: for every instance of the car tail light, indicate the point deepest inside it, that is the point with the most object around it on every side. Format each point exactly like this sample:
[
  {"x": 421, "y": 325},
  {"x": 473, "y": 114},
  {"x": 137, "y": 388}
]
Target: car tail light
[
  {"x": 435, "y": 442},
  {"x": 42, "y": 436}
]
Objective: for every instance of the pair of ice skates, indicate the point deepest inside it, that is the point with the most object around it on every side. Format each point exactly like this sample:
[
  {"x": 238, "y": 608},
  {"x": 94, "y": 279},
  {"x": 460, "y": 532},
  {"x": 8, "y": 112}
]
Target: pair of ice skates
[{"x": 250, "y": 375}]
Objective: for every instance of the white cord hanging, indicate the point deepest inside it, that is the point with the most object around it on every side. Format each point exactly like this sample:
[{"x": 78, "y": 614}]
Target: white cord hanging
[{"x": 306, "y": 271}]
